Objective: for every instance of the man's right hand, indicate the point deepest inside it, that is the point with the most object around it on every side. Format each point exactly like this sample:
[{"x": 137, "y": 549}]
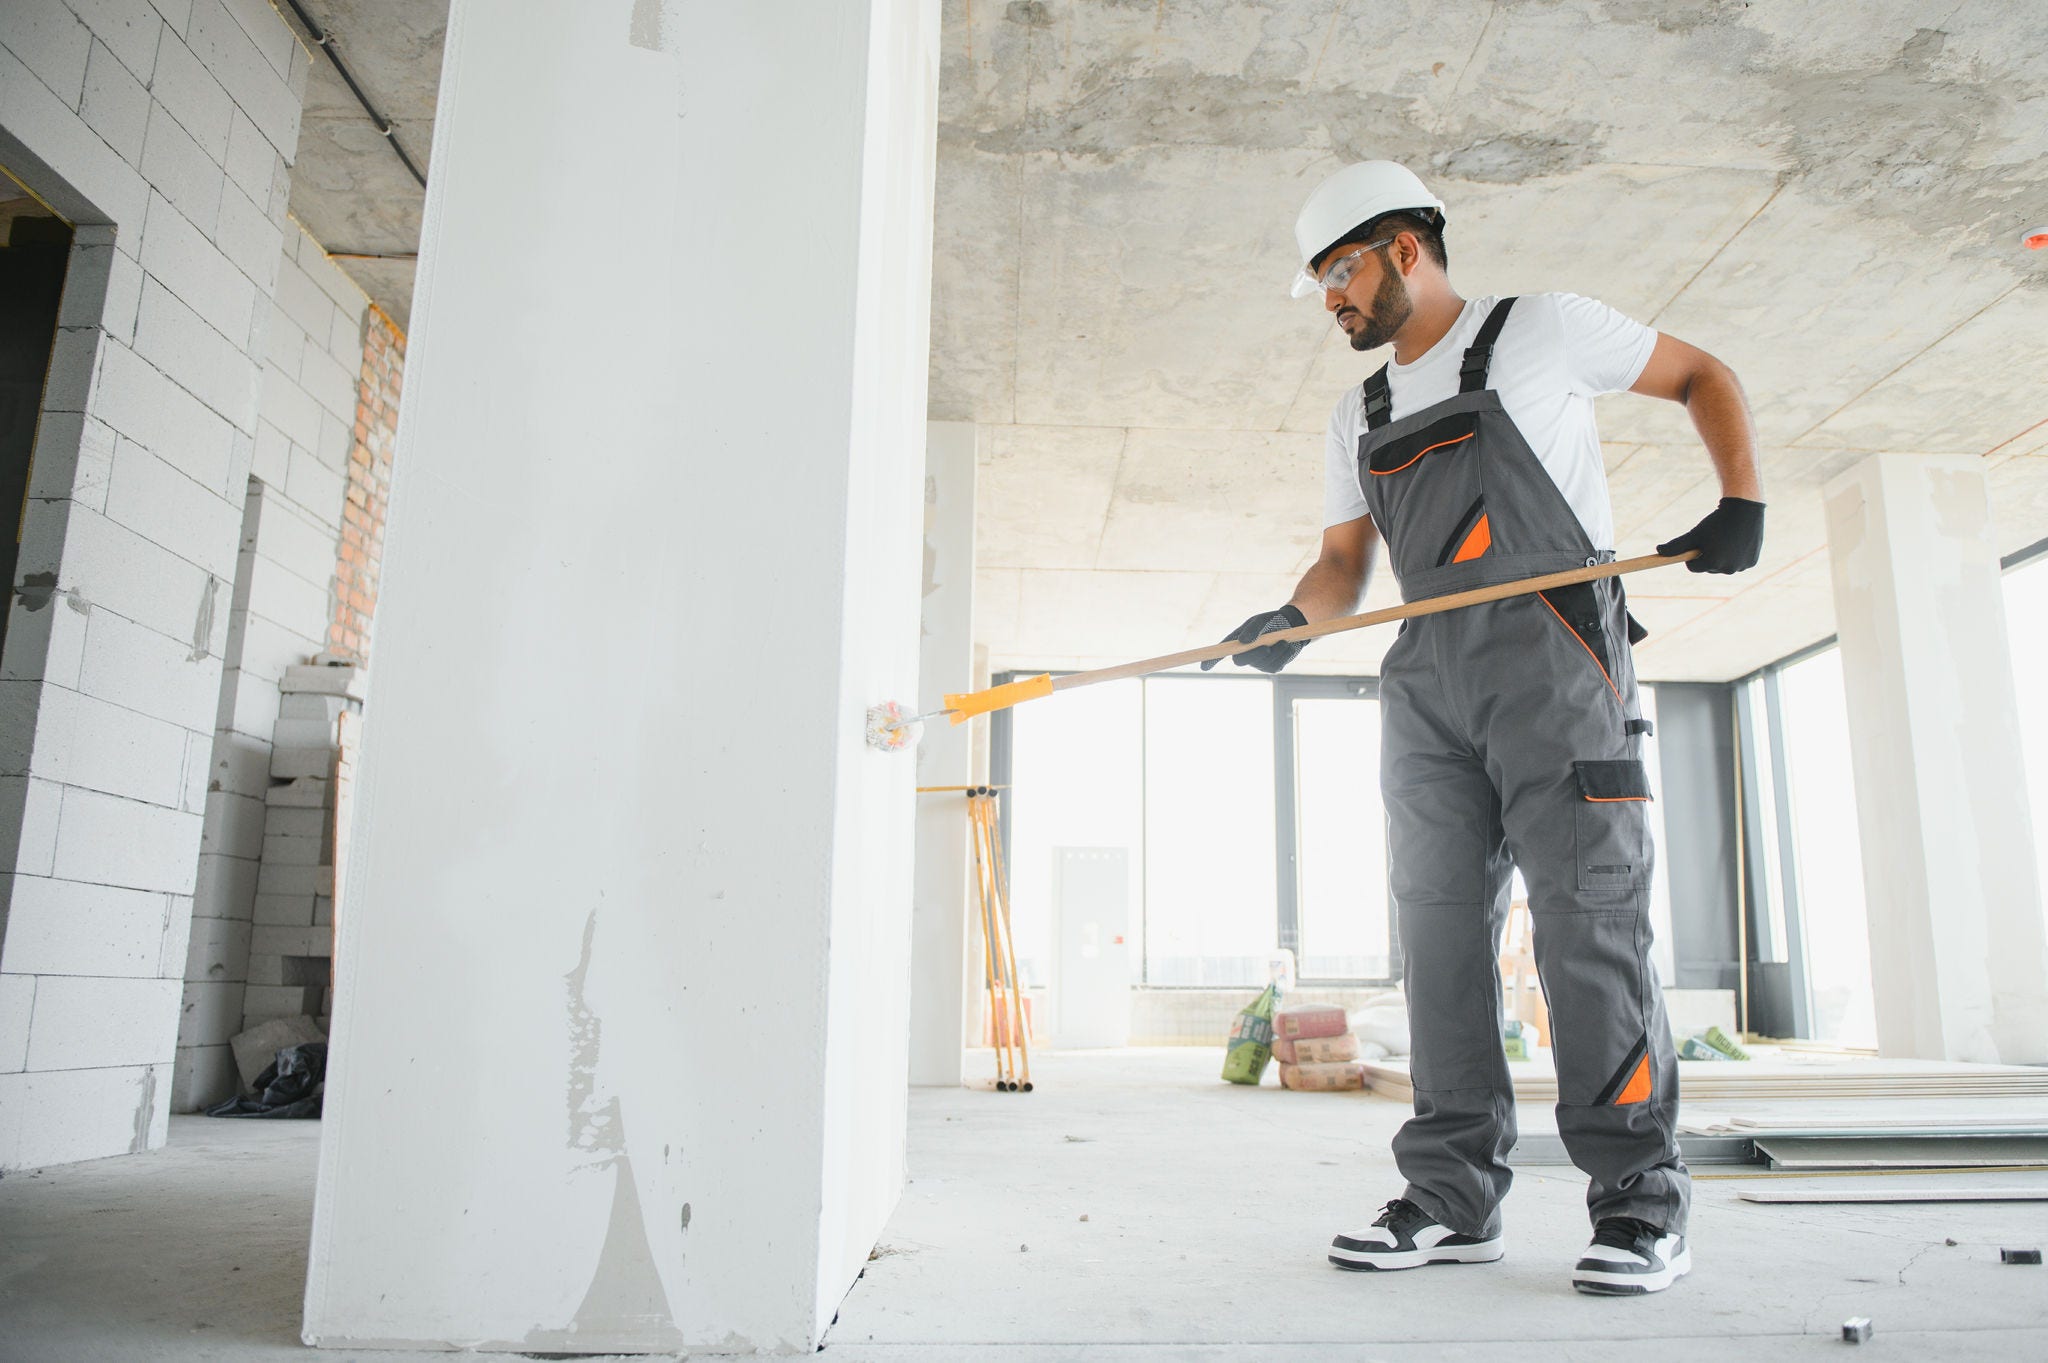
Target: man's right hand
[{"x": 1269, "y": 657}]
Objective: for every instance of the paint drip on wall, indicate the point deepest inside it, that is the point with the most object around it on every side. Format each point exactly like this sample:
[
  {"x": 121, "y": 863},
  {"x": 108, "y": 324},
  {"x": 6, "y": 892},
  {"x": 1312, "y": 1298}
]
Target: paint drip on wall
[{"x": 593, "y": 1123}]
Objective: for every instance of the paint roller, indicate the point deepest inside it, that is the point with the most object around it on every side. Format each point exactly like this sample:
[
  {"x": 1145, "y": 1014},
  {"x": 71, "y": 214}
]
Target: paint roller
[{"x": 891, "y": 729}]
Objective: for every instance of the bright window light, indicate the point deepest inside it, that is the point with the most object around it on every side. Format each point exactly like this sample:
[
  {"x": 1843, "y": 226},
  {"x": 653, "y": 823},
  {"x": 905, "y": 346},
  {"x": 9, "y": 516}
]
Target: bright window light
[
  {"x": 1341, "y": 852},
  {"x": 1829, "y": 857},
  {"x": 1211, "y": 915},
  {"x": 1074, "y": 778}
]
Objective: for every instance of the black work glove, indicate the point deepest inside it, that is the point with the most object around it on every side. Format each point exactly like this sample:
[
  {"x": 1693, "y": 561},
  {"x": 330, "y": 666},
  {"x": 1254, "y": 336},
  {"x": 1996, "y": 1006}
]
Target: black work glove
[
  {"x": 1729, "y": 539},
  {"x": 1272, "y": 657}
]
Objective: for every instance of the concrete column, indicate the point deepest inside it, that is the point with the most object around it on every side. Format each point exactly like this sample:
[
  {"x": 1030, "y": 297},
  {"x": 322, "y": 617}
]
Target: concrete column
[
  {"x": 938, "y": 960},
  {"x": 1957, "y": 953},
  {"x": 621, "y": 1034}
]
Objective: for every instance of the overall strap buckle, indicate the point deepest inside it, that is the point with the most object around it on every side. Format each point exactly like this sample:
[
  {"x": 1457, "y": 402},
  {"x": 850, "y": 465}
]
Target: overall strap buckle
[
  {"x": 1379, "y": 400},
  {"x": 1479, "y": 355}
]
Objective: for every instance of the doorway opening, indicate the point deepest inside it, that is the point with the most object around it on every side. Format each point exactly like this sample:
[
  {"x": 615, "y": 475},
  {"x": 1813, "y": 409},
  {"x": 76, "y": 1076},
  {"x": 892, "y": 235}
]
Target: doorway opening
[{"x": 35, "y": 248}]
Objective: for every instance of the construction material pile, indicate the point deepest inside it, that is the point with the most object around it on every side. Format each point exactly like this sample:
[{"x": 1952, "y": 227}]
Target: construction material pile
[
  {"x": 1315, "y": 1048},
  {"x": 1321, "y": 1048}
]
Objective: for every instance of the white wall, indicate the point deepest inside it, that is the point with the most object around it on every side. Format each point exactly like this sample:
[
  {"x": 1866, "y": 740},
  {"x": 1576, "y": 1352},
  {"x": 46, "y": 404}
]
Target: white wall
[
  {"x": 939, "y": 989},
  {"x": 167, "y": 130},
  {"x": 620, "y": 1042},
  {"x": 283, "y": 601}
]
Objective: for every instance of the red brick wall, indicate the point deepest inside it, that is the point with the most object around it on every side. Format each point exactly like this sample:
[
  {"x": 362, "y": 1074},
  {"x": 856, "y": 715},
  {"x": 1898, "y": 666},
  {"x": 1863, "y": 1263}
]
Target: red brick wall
[{"x": 369, "y": 487}]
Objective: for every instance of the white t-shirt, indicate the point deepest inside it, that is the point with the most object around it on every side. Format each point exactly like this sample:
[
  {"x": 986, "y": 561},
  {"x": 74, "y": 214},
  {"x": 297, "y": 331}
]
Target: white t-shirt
[{"x": 1556, "y": 354}]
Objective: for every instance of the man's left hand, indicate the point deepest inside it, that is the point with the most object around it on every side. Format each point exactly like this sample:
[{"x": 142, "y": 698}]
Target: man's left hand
[{"x": 1729, "y": 539}]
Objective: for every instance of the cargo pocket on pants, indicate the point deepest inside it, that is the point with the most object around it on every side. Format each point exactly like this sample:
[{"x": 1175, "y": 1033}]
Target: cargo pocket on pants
[{"x": 1613, "y": 826}]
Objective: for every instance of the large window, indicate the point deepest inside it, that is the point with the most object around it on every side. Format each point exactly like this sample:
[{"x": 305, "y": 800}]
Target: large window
[
  {"x": 1800, "y": 785},
  {"x": 2026, "y": 607},
  {"x": 1250, "y": 810}
]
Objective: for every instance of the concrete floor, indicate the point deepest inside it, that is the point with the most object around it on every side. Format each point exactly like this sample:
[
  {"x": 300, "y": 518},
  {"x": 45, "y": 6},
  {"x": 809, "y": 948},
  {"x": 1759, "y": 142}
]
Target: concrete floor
[{"x": 1207, "y": 1211}]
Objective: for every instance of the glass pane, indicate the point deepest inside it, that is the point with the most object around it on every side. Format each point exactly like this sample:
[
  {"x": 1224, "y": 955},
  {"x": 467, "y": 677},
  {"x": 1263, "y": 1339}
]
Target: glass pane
[
  {"x": 2026, "y": 606},
  {"x": 1767, "y": 862},
  {"x": 1660, "y": 875},
  {"x": 1830, "y": 854},
  {"x": 1210, "y": 903},
  {"x": 1341, "y": 857},
  {"x": 1074, "y": 783}
]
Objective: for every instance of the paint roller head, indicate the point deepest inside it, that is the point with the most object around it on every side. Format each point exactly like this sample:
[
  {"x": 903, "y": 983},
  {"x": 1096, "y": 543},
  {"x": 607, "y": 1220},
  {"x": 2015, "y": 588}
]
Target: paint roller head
[{"x": 891, "y": 728}]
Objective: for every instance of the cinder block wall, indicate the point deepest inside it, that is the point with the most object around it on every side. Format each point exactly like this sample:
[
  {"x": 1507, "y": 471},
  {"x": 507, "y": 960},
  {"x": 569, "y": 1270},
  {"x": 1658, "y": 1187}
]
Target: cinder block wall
[
  {"x": 165, "y": 131},
  {"x": 282, "y": 609}
]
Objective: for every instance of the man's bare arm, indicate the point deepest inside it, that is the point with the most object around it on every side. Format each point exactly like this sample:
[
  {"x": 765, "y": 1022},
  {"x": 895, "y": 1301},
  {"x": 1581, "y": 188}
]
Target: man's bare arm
[
  {"x": 1720, "y": 413},
  {"x": 1335, "y": 582}
]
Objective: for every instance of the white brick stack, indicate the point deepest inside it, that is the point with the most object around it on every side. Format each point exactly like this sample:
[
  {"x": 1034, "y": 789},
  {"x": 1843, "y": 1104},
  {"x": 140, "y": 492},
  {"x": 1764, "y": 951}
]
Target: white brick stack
[
  {"x": 292, "y": 946},
  {"x": 163, "y": 129}
]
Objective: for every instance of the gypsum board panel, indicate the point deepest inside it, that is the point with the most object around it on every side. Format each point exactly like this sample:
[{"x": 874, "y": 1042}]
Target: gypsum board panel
[
  {"x": 1820, "y": 1132},
  {"x": 2005, "y": 1116},
  {"x": 1903, "y": 1152},
  {"x": 1763, "y": 1081},
  {"x": 1546, "y": 1149},
  {"x": 1823, "y": 1195}
]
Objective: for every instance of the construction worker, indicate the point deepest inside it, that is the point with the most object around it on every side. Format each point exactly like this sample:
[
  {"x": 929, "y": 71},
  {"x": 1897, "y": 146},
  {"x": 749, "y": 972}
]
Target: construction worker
[{"x": 1512, "y": 736}]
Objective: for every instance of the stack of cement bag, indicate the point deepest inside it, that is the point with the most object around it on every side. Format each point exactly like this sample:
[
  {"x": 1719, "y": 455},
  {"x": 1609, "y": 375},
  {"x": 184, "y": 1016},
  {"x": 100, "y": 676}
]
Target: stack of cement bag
[{"x": 1315, "y": 1048}]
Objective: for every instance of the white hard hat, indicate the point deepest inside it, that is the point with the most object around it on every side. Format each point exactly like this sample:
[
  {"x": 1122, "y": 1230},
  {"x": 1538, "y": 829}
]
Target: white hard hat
[{"x": 1356, "y": 194}]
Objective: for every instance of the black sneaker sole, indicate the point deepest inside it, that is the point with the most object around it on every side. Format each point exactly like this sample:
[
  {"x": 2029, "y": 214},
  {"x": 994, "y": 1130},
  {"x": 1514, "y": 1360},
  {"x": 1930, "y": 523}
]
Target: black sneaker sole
[{"x": 1431, "y": 1262}]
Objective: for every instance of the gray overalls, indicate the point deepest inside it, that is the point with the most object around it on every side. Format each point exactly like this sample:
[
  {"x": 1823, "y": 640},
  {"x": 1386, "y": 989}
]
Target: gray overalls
[{"x": 1512, "y": 738}]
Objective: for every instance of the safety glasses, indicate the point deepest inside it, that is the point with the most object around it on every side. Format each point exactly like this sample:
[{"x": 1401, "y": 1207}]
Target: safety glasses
[{"x": 1338, "y": 277}]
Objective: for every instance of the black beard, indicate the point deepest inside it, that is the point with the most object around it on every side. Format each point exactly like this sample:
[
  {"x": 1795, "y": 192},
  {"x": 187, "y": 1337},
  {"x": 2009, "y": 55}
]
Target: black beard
[{"x": 1391, "y": 309}]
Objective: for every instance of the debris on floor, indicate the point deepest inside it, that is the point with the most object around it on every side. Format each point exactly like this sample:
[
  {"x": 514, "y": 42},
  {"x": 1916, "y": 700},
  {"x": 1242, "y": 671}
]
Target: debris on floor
[
  {"x": 1856, "y": 1330},
  {"x": 2019, "y": 1256},
  {"x": 292, "y": 1086},
  {"x": 256, "y": 1048}
]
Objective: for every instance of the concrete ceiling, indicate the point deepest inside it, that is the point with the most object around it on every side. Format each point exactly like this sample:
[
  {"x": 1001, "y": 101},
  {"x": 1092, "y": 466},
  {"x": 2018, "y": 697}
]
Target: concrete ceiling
[
  {"x": 348, "y": 189},
  {"x": 1828, "y": 194}
]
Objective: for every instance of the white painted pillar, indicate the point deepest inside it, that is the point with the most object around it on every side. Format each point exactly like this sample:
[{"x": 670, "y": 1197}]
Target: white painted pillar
[
  {"x": 944, "y": 887},
  {"x": 620, "y": 1056},
  {"x": 1957, "y": 953}
]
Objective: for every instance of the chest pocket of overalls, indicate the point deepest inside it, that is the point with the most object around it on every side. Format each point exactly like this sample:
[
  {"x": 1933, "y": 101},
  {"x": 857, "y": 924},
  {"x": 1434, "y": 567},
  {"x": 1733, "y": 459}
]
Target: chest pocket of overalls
[{"x": 1429, "y": 478}]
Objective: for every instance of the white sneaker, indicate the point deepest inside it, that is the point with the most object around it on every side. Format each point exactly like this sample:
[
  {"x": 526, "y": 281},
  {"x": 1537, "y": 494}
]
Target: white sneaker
[
  {"x": 1629, "y": 1257},
  {"x": 1405, "y": 1236}
]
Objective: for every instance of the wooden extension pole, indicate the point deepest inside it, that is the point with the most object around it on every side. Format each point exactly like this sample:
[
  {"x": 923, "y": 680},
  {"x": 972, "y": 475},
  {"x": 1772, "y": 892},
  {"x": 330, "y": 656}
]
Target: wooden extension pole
[
  {"x": 965, "y": 707},
  {"x": 1406, "y": 611}
]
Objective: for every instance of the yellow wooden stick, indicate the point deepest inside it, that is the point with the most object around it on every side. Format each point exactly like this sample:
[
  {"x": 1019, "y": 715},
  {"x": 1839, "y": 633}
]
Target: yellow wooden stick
[{"x": 995, "y": 838}]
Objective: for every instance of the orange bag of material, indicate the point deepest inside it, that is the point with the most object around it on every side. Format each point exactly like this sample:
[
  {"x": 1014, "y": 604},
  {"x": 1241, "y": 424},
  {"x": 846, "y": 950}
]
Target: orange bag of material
[
  {"x": 1304, "y": 1020},
  {"x": 1323, "y": 1050},
  {"x": 1325, "y": 1078}
]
